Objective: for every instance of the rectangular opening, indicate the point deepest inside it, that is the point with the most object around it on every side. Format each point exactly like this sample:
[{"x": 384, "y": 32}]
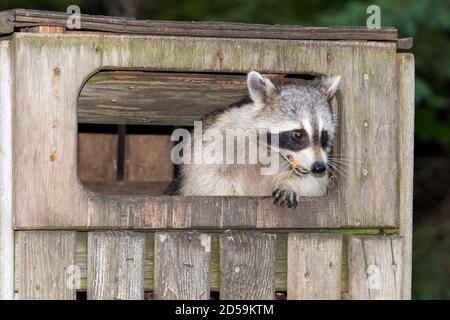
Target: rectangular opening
[{"x": 126, "y": 119}]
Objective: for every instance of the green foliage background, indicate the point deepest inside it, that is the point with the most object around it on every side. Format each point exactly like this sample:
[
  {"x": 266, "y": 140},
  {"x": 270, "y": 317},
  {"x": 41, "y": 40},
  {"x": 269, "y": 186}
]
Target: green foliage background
[{"x": 428, "y": 21}]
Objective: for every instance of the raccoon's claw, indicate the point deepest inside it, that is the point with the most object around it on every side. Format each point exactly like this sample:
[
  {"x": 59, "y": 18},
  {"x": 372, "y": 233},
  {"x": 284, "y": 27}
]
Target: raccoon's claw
[{"x": 285, "y": 198}]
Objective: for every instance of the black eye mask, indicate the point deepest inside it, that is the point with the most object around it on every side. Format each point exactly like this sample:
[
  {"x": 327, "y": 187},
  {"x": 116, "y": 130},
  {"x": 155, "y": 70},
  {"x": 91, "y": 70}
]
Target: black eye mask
[{"x": 293, "y": 140}]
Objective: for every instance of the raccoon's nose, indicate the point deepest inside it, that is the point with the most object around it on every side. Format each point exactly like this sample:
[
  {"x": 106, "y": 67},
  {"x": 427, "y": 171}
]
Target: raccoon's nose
[{"x": 318, "y": 167}]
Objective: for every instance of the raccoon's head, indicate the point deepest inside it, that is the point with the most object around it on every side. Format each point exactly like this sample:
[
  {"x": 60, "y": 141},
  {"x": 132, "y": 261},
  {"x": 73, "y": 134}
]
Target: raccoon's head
[{"x": 300, "y": 116}]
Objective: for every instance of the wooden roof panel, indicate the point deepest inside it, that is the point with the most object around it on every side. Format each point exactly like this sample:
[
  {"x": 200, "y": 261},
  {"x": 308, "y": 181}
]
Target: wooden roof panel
[{"x": 28, "y": 18}]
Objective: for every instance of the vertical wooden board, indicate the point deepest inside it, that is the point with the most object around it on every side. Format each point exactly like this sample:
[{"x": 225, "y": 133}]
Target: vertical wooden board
[
  {"x": 147, "y": 157},
  {"x": 182, "y": 266},
  {"x": 405, "y": 90},
  {"x": 45, "y": 260},
  {"x": 116, "y": 265},
  {"x": 367, "y": 133},
  {"x": 314, "y": 266},
  {"x": 48, "y": 76},
  {"x": 375, "y": 267},
  {"x": 6, "y": 167},
  {"x": 97, "y": 156},
  {"x": 247, "y": 266}
]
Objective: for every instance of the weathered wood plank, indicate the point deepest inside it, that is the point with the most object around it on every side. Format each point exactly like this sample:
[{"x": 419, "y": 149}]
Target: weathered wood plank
[
  {"x": 247, "y": 266},
  {"x": 147, "y": 157},
  {"x": 97, "y": 156},
  {"x": 375, "y": 267},
  {"x": 182, "y": 266},
  {"x": 6, "y": 167},
  {"x": 206, "y": 29},
  {"x": 132, "y": 97},
  {"x": 116, "y": 265},
  {"x": 405, "y": 89},
  {"x": 366, "y": 142},
  {"x": 6, "y": 22},
  {"x": 314, "y": 266},
  {"x": 156, "y": 98},
  {"x": 108, "y": 187},
  {"x": 44, "y": 259}
]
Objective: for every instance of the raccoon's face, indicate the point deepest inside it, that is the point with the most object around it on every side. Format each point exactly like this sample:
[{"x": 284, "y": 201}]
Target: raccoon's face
[{"x": 300, "y": 120}]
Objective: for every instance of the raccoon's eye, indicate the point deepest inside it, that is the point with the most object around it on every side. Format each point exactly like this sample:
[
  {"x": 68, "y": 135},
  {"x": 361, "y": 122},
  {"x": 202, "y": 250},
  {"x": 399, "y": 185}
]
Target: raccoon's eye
[
  {"x": 324, "y": 139},
  {"x": 298, "y": 134}
]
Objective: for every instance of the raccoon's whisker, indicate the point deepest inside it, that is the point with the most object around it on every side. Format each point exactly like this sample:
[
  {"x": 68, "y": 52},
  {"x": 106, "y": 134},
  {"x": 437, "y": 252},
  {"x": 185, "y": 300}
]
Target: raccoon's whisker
[
  {"x": 338, "y": 170},
  {"x": 340, "y": 157},
  {"x": 338, "y": 166}
]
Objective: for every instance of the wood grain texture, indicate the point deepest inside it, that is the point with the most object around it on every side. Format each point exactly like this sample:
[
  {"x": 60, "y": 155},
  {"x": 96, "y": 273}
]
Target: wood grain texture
[
  {"x": 247, "y": 266},
  {"x": 108, "y": 187},
  {"x": 97, "y": 156},
  {"x": 182, "y": 266},
  {"x": 147, "y": 157},
  {"x": 133, "y": 97},
  {"x": 128, "y": 97},
  {"x": 405, "y": 89},
  {"x": 366, "y": 197},
  {"x": 116, "y": 265},
  {"x": 6, "y": 22},
  {"x": 207, "y": 29},
  {"x": 375, "y": 268},
  {"x": 280, "y": 260},
  {"x": 6, "y": 167},
  {"x": 43, "y": 261},
  {"x": 314, "y": 266}
]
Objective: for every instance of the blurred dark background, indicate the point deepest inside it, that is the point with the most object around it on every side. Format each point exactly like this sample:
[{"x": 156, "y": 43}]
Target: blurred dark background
[{"x": 428, "y": 21}]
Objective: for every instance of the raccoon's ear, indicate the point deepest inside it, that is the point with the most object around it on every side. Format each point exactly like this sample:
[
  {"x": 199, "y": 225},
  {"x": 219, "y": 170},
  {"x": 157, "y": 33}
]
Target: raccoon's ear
[
  {"x": 328, "y": 85},
  {"x": 261, "y": 89}
]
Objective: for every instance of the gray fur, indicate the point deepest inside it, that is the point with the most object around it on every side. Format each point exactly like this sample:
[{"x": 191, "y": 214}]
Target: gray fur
[{"x": 279, "y": 109}]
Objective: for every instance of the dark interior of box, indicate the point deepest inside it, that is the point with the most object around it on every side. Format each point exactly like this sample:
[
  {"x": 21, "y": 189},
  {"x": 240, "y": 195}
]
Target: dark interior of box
[{"x": 126, "y": 119}]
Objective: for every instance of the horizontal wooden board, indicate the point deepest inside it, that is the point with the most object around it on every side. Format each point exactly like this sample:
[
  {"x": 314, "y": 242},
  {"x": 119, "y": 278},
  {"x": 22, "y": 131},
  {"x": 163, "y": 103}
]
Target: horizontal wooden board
[
  {"x": 114, "y": 187},
  {"x": 27, "y": 18},
  {"x": 133, "y": 97}
]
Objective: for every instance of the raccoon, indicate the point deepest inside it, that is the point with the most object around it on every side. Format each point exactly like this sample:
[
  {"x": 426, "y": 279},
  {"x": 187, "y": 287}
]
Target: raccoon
[{"x": 298, "y": 118}]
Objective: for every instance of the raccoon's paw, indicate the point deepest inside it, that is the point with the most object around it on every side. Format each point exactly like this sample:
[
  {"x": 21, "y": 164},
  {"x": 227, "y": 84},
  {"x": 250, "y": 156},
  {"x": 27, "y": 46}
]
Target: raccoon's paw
[{"x": 285, "y": 198}]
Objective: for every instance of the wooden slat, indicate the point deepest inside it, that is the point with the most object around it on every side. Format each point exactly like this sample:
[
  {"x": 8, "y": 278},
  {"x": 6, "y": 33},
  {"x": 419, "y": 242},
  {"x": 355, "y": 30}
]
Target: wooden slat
[
  {"x": 375, "y": 268},
  {"x": 6, "y": 22},
  {"x": 314, "y": 266},
  {"x": 108, "y": 187},
  {"x": 247, "y": 266},
  {"x": 182, "y": 266},
  {"x": 405, "y": 89},
  {"x": 97, "y": 156},
  {"x": 132, "y": 97},
  {"x": 147, "y": 157},
  {"x": 43, "y": 260},
  {"x": 156, "y": 98},
  {"x": 205, "y": 29},
  {"x": 6, "y": 168},
  {"x": 116, "y": 265}
]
